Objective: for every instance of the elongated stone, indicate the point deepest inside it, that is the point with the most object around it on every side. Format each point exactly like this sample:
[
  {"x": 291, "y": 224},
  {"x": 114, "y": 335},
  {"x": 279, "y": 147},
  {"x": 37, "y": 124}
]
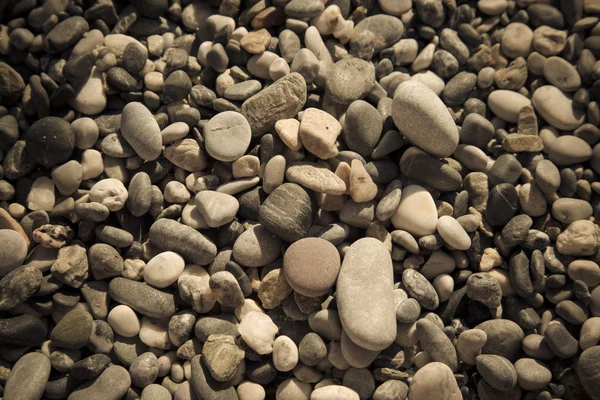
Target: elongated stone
[{"x": 367, "y": 269}]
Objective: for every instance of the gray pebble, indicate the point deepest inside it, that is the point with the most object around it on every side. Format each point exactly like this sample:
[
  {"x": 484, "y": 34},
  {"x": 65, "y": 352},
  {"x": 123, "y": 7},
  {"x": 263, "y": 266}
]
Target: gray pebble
[
  {"x": 419, "y": 288},
  {"x": 287, "y": 212},
  {"x": 73, "y": 330},
  {"x": 497, "y": 371},
  {"x": 350, "y": 79},
  {"x": 142, "y": 298}
]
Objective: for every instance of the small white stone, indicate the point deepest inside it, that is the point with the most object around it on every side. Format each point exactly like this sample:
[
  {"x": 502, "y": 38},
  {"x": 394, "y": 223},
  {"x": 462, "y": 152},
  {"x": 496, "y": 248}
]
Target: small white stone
[
  {"x": 154, "y": 81},
  {"x": 133, "y": 269},
  {"x": 319, "y": 131},
  {"x": 216, "y": 208},
  {"x": 285, "y": 354},
  {"x": 443, "y": 285},
  {"x": 163, "y": 269},
  {"x": 249, "y": 305},
  {"x": 155, "y": 45},
  {"x": 343, "y": 30},
  {"x": 110, "y": 192},
  {"x": 278, "y": 69},
  {"x": 90, "y": 98},
  {"x": 155, "y": 333},
  {"x": 245, "y": 167},
  {"x": 327, "y": 21},
  {"x": 258, "y": 331},
  {"x": 416, "y": 212},
  {"x": 289, "y": 133},
  {"x": 176, "y": 192},
  {"x": 191, "y": 217},
  {"x": 362, "y": 188},
  {"x": 274, "y": 173},
  {"x": 92, "y": 164},
  {"x": 41, "y": 195},
  {"x": 86, "y": 132},
  {"x": 248, "y": 390},
  {"x": 193, "y": 284},
  {"x": 124, "y": 321},
  {"x": 175, "y": 131},
  {"x": 453, "y": 233}
]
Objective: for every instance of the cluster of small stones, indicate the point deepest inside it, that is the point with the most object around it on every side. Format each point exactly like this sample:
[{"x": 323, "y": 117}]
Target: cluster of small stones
[{"x": 299, "y": 199}]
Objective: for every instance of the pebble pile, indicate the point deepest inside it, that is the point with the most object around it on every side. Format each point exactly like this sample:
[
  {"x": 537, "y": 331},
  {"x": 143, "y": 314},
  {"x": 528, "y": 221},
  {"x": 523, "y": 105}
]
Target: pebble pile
[{"x": 300, "y": 199}]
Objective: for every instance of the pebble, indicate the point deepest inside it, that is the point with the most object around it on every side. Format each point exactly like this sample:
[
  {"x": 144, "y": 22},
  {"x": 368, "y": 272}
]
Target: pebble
[
  {"x": 483, "y": 287},
  {"x": 556, "y": 107},
  {"x": 141, "y": 131},
  {"x": 28, "y": 377},
  {"x": 416, "y": 213},
  {"x": 318, "y": 133},
  {"x": 507, "y": 104},
  {"x": 163, "y": 269},
  {"x": 350, "y": 79},
  {"x": 587, "y": 367},
  {"x": 311, "y": 266},
  {"x": 227, "y": 136},
  {"x": 222, "y": 356},
  {"x": 112, "y": 383},
  {"x": 73, "y": 330},
  {"x": 434, "y": 379},
  {"x": 217, "y": 209},
  {"x": 142, "y": 298},
  {"x": 532, "y": 374},
  {"x": 497, "y": 371},
  {"x": 50, "y": 141},
  {"x": 567, "y": 150},
  {"x": 258, "y": 331},
  {"x": 169, "y": 235},
  {"x": 453, "y": 233},
  {"x": 19, "y": 285},
  {"x": 354, "y": 282},
  {"x": 89, "y": 97},
  {"x": 124, "y": 321},
  {"x": 469, "y": 345},
  {"x": 416, "y": 110},
  {"x": 315, "y": 177},
  {"x": 41, "y": 195},
  {"x": 256, "y": 247},
  {"x": 13, "y": 253},
  {"x": 504, "y": 338},
  {"x": 437, "y": 345},
  {"x": 285, "y": 354},
  {"x": 279, "y": 101}
]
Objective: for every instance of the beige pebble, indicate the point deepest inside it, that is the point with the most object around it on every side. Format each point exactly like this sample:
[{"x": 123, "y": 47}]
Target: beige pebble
[
  {"x": 110, "y": 192},
  {"x": 194, "y": 288},
  {"x": 443, "y": 285},
  {"x": 248, "y": 390},
  {"x": 41, "y": 195},
  {"x": 176, "y": 192},
  {"x": 175, "y": 131},
  {"x": 123, "y": 320},
  {"x": 469, "y": 345},
  {"x": 86, "y": 132},
  {"x": 289, "y": 133},
  {"x": 274, "y": 173},
  {"x": 285, "y": 354},
  {"x": 319, "y": 131},
  {"x": 258, "y": 331},
  {"x": 245, "y": 167},
  {"x": 92, "y": 164},
  {"x": 155, "y": 333},
  {"x": 362, "y": 188}
]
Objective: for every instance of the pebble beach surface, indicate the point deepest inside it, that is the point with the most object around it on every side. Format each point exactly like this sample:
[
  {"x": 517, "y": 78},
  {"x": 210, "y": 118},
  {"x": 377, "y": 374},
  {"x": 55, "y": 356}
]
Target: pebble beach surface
[{"x": 299, "y": 199}]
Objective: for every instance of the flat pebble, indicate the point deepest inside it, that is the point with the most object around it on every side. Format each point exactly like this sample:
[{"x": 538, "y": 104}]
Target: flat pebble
[
  {"x": 417, "y": 109},
  {"x": 354, "y": 282},
  {"x": 416, "y": 213}
]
